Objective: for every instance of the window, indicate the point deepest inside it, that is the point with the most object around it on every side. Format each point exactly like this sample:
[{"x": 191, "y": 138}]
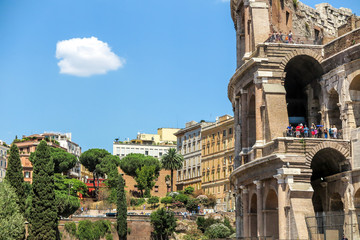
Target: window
[
  {"x": 287, "y": 17},
  {"x": 146, "y": 152},
  {"x": 160, "y": 154},
  {"x": 156, "y": 188},
  {"x": 224, "y": 160},
  {"x": 27, "y": 174},
  {"x": 230, "y": 159},
  {"x": 230, "y": 131},
  {"x": 224, "y": 133}
]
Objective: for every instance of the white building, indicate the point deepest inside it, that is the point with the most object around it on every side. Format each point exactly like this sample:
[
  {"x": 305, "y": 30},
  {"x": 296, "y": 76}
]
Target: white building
[
  {"x": 64, "y": 140},
  {"x": 3, "y": 160},
  {"x": 189, "y": 145},
  {"x": 123, "y": 149}
]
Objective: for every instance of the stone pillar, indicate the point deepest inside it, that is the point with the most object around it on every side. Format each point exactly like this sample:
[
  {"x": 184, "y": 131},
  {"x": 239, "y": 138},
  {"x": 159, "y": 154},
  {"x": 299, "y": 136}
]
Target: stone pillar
[
  {"x": 239, "y": 52},
  {"x": 281, "y": 206},
  {"x": 237, "y": 126},
  {"x": 244, "y": 119},
  {"x": 239, "y": 215},
  {"x": 260, "y": 225},
  {"x": 258, "y": 119},
  {"x": 245, "y": 203}
]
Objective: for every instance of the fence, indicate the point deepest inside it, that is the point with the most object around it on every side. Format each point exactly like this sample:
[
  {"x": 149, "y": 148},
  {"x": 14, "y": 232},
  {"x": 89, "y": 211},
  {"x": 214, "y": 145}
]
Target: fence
[{"x": 333, "y": 225}]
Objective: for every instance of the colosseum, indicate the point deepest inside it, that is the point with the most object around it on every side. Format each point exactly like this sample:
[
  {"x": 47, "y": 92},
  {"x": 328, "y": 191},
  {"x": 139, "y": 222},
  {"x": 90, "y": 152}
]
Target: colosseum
[{"x": 298, "y": 68}]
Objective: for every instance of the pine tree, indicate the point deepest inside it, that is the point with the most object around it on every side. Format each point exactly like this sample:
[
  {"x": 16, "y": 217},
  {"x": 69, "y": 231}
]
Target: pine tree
[
  {"x": 43, "y": 218},
  {"x": 121, "y": 209},
  {"x": 14, "y": 176}
]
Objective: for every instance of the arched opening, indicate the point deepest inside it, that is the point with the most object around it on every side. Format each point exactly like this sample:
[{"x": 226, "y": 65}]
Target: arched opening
[
  {"x": 253, "y": 216},
  {"x": 355, "y": 98},
  {"x": 271, "y": 215},
  {"x": 252, "y": 122},
  {"x": 334, "y": 110},
  {"x": 328, "y": 207},
  {"x": 303, "y": 90}
]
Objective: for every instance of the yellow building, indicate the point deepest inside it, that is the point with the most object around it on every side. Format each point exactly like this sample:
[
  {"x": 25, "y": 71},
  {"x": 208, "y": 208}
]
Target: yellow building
[
  {"x": 217, "y": 156},
  {"x": 168, "y": 134},
  {"x": 85, "y": 174},
  {"x": 164, "y": 136}
]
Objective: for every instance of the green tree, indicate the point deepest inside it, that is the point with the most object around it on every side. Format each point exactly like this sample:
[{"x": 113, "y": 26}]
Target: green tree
[
  {"x": 167, "y": 200},
  {"x": 109, "y": 166},
  {"x": 153, "y": 201},
  {"x": 189, "y": 190},
  {"x": 66, "y": 193},
  {"x": 44, "y": 219},
  {"x": 63, "y": 160},
  {"x": 15, "y": 176},
  {"x": 134, "y": 161},
  {"x": 121, "y": 208},
  {"x": 12, "y": 222},
  {"x": 217, "y": 230},
  {"x": 145, "y": 179},
  {"x": 91, "y": 159},
  {"x": 172, "y": 161},
  {"x": 192, "y": 205},
  {"x": 163, "y": 222}
]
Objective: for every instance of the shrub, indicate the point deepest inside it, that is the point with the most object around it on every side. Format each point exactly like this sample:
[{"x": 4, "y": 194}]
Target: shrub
[
  {"x": 70, "y": 227},
  {"x": 192, "y": 205},
  {"x": 182, "y": 198},
  {"x": 153, "y": 200},
  {"x": 163, "y": 222},
  {"x": 228, "y": 224},
  {"x": 102, "y": 227},
  {"x": 178, "y": 204},
  {"x": 193, "y": 234},
  {"x": 205, "y": 223},
  {"x": 88, "y": 230},
  {"x": 109, "y": 237},
  {"x": 211, "y": 201},
  {"x": 136, "y": 201},
  {"x": 189, "y": 190},
  {"x": 167, "y": 200},
  {"x": 173, "y": 194},
  {"x": 85, "y": 230},
  {"x": 217, "y": 230}
]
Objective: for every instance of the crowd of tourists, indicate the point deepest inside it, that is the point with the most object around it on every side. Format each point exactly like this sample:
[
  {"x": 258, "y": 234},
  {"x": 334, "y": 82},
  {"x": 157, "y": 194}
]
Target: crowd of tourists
[
  {"x": 280, "y": 37},
  {"x": 314, "y": 131}
]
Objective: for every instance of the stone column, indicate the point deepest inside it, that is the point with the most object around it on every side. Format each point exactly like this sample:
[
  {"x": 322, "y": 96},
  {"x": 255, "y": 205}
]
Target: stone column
[
  {"x": 281, "y": 206},
  {"x": 258, "y": 119},
  {"x": 260, "y": 225},
  {"x": 239, "y": 53},
  {"x": 245, "y": 203},
  {"x": 237, "y": 126},
  {"x": 244, "y": 119},
  {"x": 239, "y": 215}
]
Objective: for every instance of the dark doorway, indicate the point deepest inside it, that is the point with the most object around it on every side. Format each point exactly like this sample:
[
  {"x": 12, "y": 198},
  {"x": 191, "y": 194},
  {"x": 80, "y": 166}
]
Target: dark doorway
[{"x": 303, "y": 90}]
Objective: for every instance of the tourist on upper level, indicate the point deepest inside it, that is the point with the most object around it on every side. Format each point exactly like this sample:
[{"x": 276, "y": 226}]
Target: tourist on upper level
[{"x": 306, "y": 131}]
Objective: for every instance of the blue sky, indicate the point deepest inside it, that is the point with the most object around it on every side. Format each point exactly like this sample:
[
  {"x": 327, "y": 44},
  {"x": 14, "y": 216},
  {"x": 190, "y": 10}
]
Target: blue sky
[{"x": 171, "y": 62}]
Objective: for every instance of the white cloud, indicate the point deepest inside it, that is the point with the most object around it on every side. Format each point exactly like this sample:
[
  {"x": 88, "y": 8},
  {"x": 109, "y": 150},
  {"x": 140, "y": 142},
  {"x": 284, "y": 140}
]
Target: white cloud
[{"x": 85, "y": 57}]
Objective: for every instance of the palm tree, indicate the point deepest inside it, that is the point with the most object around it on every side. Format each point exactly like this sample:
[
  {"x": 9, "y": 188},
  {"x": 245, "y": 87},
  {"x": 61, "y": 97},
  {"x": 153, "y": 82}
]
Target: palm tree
[{"x": 172, "y": 161}]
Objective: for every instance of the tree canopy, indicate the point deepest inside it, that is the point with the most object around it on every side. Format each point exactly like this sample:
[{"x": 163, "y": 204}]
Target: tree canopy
[
  {"x": 172, "y": 161},
  {"x": 163, "y": 222},
  {"x": 15, "y": 177},
  {"x": 12, "y": 222},
  {"x": 145, "y": 179},
  {"x": 63, "y": 160},
  {"x": 134, "y": 161},
  {"x": 91, "y": 159}
]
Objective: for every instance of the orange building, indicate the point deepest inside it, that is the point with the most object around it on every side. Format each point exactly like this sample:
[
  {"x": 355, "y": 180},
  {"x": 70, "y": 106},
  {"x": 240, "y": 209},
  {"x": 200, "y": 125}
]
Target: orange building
[
  {"x": 217, "y": 157},
  {"x": 26, "y": 146}
]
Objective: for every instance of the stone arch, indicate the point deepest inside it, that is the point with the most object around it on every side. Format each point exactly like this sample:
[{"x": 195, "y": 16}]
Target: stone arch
[
  {"x": 354, "y": 90},
  {"x": 253, "y": 215},
  {"x": 336, "y": 203},
  {"x": 271, "y": 214},
  {"x": 299, "y": 52},
  {"x": 332, "y": 145},
  {"x": 302, "y": 75}
]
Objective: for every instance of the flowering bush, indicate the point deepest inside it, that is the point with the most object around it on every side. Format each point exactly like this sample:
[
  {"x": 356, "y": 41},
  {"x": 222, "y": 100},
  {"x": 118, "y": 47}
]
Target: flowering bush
[{"x": 217, "y": 230}]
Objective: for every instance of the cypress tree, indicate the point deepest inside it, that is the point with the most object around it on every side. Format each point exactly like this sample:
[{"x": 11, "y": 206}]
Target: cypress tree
[
  {"x": 121, "y": 209},
  {"x": 14, "y": 176},
  {"x": 43, "y": 217}
]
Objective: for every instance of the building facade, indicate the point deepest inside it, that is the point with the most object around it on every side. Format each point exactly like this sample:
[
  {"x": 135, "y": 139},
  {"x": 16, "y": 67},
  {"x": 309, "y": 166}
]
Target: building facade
[
  {"x": 189, "y": 145},
  {"x": 164, "y": 136},
  {"x": 217, "y": 157},
  {"x": 287, "y": 187},
  {"x": 28, "y": 145},
  {"x": 65, "y": 141},
  {"x": 161, "y": 186},
  {"x": 3, "y": 159}
]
